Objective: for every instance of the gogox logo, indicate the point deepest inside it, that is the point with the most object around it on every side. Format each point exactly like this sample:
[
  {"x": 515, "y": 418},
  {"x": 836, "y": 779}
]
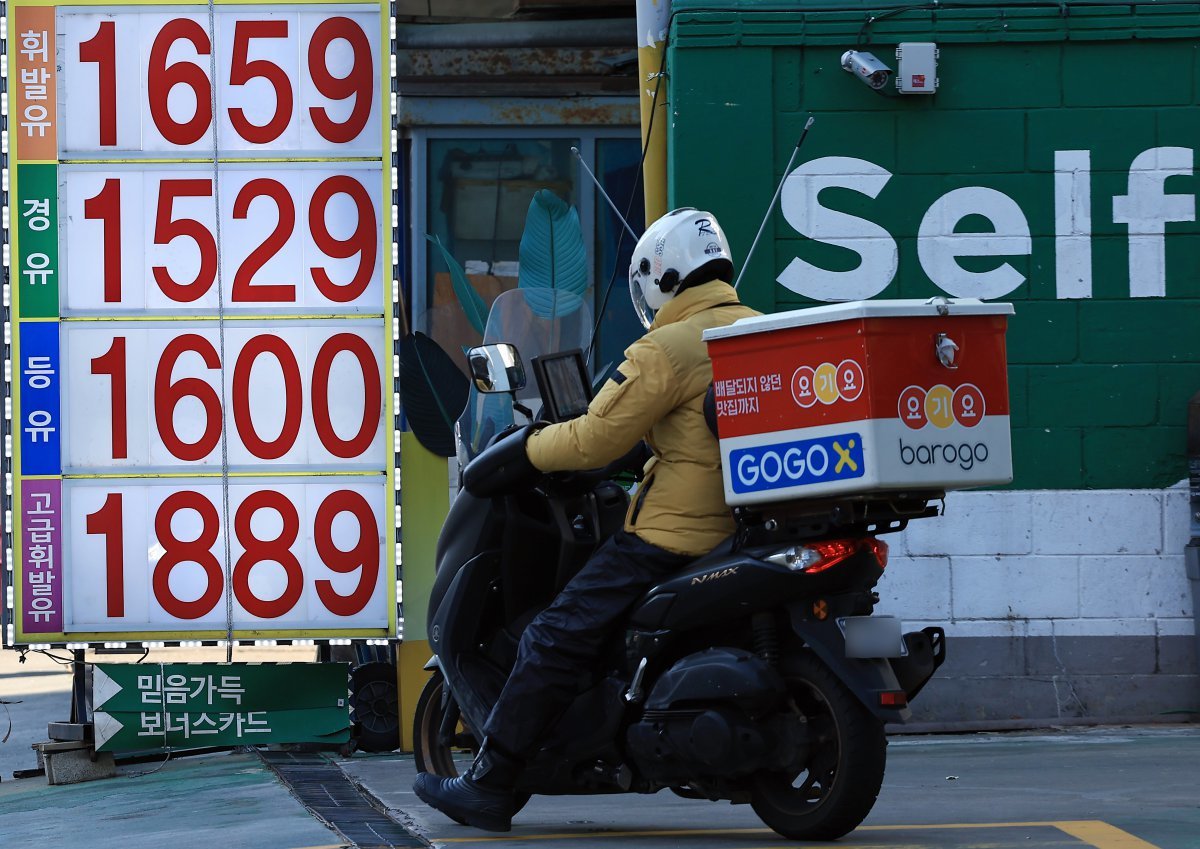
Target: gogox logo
[{"x": 800, "y": 463}]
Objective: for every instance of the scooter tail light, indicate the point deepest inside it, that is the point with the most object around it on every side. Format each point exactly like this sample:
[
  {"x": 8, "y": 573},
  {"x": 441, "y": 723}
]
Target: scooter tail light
[{"x": 820, "y": 556}]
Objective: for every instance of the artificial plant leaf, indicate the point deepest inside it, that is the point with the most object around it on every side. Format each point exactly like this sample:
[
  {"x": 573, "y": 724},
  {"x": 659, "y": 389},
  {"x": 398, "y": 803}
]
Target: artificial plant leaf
[
  {"x": 433, "y": 392},
  {"x": 471, "y": 301},
  {"x": 553, "y": 269}
]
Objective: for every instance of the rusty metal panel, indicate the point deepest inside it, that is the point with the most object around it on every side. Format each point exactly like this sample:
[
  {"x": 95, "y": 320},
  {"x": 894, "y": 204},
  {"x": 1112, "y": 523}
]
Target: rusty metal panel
[
  {"x": 498, "y": 9},
  {"x": 516, "y": 59},
  {"x": 532, "y": 87},
  {"x": 528, "y": 62},
  {"x": 417, "y": 111},
  {"x": 590, "y": 5},
  {"x": 456, "y": 8}
]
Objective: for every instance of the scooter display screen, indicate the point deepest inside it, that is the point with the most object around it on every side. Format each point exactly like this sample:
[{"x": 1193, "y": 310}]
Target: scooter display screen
[{"x": 562, "y": 379}]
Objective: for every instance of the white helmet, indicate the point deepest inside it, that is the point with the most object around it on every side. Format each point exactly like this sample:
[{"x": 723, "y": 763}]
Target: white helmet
[{"x": 683, "y": 248}]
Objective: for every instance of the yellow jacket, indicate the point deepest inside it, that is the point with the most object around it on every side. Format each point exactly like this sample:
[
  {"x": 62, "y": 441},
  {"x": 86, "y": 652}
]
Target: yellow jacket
[{"x": 657, "y": 394}]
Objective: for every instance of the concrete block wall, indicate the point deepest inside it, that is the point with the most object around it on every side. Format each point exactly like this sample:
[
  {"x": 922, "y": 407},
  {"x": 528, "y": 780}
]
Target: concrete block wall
[{"x": 1057, "y": 606}]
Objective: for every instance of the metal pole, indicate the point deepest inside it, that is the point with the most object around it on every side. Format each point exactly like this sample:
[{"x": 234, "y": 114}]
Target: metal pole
[
  {"x": 771, "y": 206},
  {"x": 653, "y": 17},
  {"x": 600, "y": 189},
  {"x": 1191, "y": 552},
  {"x": 79, "y": 709}
]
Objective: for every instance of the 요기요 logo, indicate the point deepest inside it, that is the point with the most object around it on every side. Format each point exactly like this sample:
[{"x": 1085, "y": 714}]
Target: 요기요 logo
[
  {"x": 941, "y": 406},
  {"x": 827, "y": 383}
]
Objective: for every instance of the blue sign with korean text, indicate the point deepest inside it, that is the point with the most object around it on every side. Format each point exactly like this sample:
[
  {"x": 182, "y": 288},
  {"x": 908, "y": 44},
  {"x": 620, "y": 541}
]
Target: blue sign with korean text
[
  {"x": 40, "y": 423},
  {"x": 799, "y": 463}
]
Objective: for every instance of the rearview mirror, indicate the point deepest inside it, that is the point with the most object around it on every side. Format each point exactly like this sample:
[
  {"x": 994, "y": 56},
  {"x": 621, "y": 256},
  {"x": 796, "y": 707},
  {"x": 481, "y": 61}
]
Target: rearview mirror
[{"x": 496, "y": 368}]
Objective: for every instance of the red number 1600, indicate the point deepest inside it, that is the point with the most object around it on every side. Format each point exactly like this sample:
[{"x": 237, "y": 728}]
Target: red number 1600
[{"x": 168, "y": 392}]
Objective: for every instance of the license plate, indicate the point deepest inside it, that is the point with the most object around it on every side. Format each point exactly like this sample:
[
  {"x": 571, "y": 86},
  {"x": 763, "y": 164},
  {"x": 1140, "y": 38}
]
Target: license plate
[{"x": 872, "y": 636}]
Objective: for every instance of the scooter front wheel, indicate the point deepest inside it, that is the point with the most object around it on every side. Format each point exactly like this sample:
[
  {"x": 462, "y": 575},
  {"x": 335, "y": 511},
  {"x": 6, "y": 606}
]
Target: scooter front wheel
[
  {"x": 837, "y": 787},
  {"x": 432, "y": 752}
]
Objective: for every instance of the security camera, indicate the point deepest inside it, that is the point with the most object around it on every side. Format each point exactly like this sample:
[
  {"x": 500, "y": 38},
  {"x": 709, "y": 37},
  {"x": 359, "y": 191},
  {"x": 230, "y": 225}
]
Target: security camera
[{"x": 866, "y": 68}]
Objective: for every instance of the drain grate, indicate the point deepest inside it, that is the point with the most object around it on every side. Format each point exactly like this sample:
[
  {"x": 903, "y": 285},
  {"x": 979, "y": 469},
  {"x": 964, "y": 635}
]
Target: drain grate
[{"x": 324, "y": 789}]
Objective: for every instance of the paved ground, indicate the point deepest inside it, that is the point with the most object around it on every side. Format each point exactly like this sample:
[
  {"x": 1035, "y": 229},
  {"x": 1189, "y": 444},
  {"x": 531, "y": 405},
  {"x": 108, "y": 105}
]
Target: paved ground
[
  {"x": 1109, "y": 788},
  {"x": 37, "y": 691},
  {"x": 31, "y": 694},
  {"x": 227, "y": 799}
]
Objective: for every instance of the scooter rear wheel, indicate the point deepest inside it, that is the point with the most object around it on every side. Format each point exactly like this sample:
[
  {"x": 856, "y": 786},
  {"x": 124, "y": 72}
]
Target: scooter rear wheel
[
  {"x": 837, "y": 788},
  {"x": 430, "y": 752}
]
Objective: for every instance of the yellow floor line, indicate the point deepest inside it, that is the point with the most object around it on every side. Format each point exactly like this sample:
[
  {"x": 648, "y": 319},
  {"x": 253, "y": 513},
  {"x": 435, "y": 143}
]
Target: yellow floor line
[
  {"x": 685, "y": 832},
  {"x": 1095, "y": 833},
  {"x": 1103, "y": 836}
]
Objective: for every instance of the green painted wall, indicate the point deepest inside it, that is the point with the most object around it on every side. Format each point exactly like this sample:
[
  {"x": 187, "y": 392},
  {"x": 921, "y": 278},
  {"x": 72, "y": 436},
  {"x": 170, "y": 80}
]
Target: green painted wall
[{"x": 1099, "y": 385}]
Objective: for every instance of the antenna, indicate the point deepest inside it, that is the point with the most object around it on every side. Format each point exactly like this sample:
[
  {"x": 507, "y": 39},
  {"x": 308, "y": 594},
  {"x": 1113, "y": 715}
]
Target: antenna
[
  {"x": 600, "y": 189},
  {"x": 771, "y": 206}
]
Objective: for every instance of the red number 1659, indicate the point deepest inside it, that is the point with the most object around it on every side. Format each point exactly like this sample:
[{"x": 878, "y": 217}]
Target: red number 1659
[{"x": 101, "y": 49}]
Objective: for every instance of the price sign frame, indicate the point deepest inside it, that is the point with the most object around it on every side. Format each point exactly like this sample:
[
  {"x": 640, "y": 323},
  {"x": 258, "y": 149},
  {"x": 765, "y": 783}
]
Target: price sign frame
[{"x": 281, "y": 149}]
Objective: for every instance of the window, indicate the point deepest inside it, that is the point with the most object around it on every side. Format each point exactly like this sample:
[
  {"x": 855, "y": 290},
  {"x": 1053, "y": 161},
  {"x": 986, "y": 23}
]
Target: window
[{"x": 472, "y": 191}]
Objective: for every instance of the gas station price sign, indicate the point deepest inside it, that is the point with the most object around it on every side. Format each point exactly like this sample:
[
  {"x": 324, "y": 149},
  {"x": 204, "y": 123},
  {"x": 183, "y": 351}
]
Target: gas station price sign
[{"x": 202, "y": 314}]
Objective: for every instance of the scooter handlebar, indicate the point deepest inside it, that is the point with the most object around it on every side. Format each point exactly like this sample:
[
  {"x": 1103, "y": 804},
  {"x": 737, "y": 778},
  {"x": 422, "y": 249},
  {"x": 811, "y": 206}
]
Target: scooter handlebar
[{"x": 503, "y": 467}]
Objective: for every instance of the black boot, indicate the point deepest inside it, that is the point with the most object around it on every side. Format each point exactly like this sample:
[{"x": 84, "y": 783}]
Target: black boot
[{"x": 482, "y": 797}]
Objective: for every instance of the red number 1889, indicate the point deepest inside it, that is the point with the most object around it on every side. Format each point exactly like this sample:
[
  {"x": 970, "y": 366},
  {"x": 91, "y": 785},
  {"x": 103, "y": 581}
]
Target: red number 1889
[{"x": 362, "y": 557}]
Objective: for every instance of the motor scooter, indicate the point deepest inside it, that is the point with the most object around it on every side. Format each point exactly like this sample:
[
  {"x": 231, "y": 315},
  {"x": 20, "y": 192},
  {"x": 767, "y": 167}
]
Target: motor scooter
[{"x": 758, "y": 674}]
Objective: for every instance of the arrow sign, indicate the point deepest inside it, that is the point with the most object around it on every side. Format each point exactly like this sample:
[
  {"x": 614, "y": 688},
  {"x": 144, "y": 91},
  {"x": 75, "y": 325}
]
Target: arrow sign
[
  {"x": 192, "y": 687},
  {"x": 190, "y": 705},
  {"x": 143, "y": 730},
  {"x": 103, "y": 687},
  {"x": 106, "y": 727}
]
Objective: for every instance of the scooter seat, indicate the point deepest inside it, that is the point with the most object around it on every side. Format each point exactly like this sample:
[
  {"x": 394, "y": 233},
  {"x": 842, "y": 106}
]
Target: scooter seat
[{"x": 651, "y": 610}]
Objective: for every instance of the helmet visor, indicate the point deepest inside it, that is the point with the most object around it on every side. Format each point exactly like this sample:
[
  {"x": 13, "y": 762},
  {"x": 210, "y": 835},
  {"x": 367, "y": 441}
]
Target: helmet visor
[{"x": 644, "y": 313}]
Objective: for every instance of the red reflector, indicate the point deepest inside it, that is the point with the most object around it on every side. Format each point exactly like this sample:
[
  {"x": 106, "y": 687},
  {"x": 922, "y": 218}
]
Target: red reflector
[
  {"x": 893, "y": 698},
  {"x": 834, "y": 551}
]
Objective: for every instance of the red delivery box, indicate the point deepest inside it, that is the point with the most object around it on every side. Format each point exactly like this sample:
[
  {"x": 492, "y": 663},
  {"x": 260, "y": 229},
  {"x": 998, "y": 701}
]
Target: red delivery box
[{"x": 862, "y": 397}]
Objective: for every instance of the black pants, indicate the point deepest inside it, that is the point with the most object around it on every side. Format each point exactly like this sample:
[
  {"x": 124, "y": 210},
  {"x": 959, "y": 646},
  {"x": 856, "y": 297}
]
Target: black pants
[{"x": 566, "y": 638}]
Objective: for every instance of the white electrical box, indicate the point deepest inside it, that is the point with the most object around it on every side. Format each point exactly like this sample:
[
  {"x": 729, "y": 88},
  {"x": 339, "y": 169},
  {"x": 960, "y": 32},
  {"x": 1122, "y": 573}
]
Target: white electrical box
[{"x": 918, "y": 67}]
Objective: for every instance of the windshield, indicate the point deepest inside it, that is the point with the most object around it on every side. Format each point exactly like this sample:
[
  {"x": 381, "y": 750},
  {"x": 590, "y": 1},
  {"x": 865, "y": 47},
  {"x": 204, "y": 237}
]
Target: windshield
[{"x": 537, "y": 321}]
